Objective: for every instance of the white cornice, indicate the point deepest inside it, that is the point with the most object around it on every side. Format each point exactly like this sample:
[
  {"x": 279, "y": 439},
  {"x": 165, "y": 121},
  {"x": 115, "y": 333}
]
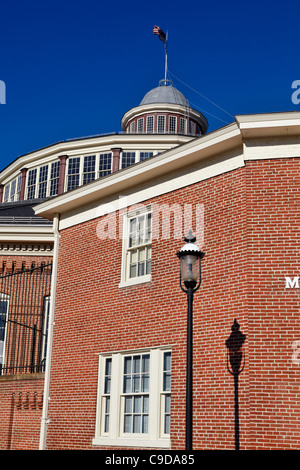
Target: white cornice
[
  {"x": 249, "y": 137},
  {"x": 93, "y": 144},
  {"x": 268, "y": 125},
  {"x": 20, "y": 233},
  {"x": 171, "y": 161}
]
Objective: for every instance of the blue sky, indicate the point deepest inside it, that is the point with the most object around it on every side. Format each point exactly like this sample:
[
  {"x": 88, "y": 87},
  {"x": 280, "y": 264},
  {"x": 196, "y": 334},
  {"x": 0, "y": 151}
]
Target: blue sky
[{"x": 72, "y": 68}]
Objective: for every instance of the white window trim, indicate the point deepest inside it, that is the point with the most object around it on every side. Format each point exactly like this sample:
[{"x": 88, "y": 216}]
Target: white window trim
[
  {"x": 163, "y": 131},
  {"x": 175, "y": 125},
  {"x": 125, "y": 280},
  {"x": 115, "y": 437}
]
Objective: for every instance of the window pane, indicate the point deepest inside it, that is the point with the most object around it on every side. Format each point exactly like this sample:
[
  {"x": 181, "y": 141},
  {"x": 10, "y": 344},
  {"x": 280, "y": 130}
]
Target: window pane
[
  {"x": 167, "y": 361},
  {"x": 127, "y": 423},
  {"x": 127, "y": 384},
  {"x": 137, "y": 423},
  {"x": 167, "y": 403},
  {"x": 128, "y": 404},
  {"x": 146, "y": 405},
  {"x": 141, "y": 269},
  {"x": 106, "y": 424},
  {"x": 136, "y": 363},
  {"x": 133, "y": 271},
  {"x": 43, "y": 173},
  {"x": 145, "y": 363},
  {"x": 167, "y": 424},
  {"x": 74, "y": 164},
  {"x": 137, "y": 407},
  {"x": 108, "y": 367},
  {"x": 145, "y": 383},
  {"x": 107, "y": 385},
  {"x": 127, "y": 365},
  {"x": 167, "y": 382},
  {"x": 136, "y": 384},
  {"x": 107, "y": 405},
  {"x": 145, "y": 423}
]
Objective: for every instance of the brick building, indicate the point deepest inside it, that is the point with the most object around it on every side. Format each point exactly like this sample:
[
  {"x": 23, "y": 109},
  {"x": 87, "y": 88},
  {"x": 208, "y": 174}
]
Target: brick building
[{"x": 116, "y": 329}]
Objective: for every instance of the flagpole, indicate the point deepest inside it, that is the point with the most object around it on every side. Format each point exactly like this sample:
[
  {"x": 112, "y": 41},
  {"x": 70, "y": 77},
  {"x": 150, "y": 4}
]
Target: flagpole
[{"x": 166, "y": 57}]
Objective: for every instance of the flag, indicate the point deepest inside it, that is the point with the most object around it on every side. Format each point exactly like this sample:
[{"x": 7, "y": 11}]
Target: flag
[{"x": 160, "y": 33}]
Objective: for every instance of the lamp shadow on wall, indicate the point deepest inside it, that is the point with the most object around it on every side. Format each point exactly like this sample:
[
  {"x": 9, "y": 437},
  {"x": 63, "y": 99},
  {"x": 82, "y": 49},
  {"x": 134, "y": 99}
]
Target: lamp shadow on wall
[{"x": 235, "y": 366}]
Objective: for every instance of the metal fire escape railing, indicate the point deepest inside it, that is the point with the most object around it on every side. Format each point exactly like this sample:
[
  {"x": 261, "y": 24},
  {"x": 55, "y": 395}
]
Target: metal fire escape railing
[{"x": 24, "y": 308}]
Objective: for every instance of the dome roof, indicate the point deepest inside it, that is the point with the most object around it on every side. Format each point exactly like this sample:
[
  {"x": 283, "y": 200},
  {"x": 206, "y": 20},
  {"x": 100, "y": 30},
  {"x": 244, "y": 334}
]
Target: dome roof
[{"x": 164, "y": 94}]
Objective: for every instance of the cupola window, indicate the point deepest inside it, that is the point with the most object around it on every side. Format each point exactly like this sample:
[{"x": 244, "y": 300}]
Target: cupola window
[{"x": 161, "y": 124}]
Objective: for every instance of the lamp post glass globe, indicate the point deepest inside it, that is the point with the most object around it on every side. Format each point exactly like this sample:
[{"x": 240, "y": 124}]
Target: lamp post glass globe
[
  {"x": 190, "y": 257},
  {"x": 189, "y": 265}
]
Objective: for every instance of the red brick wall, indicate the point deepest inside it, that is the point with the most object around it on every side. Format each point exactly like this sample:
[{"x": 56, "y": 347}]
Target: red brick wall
[
  {"x": 251, "y": 242},
  {"x": 21, "y": 412}
]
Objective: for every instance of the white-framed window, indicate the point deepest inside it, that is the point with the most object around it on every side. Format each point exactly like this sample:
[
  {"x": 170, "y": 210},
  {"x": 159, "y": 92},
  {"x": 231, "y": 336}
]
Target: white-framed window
[
  {"x": 6, "y": 192},
  {"x": 54, "y": 178},
  {"x": 172, "y": 124},
  {"x": 161, "y": 124},
  {"x": 18, "y": 188},
  {"x": 127, "y": 159},
  {"x": 137, "y": 247},
  {"x": 150, "y": 124},
  {"x": 134, "y": 397},
  {"x": 132, "y": 127},
  {"x": 31, "y": 183},
  {"x": 104, "y": 164},
  {"x": 43, "y": 180},
  {"x": 4, "y": 306},
  {"x": 89, "y": 167},
  {"x": 182, "y": 126},
  {"x": 73, "y": 180},
  {"x": 140, "y": 125},
  {"x": 13, "y": 190}
]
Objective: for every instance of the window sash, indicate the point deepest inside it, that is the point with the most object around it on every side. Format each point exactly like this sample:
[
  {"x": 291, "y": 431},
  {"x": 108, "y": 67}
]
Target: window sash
[
  {"x": 130, "y": 415},
  {"x": 140, "y": 125},
  {"x": 172, "y": 124},
  {"x": 182, "y": 124},
  {"x": 104, "y": 164},
  {"x": 128, "y": 159},
  {"x": 150, "y": 124},
  {"x": 54, "y": 178},
  {"x": 89, "y": 169},
  {"x": 31, "y": 183},
  {"x": 161, "y": 124}
]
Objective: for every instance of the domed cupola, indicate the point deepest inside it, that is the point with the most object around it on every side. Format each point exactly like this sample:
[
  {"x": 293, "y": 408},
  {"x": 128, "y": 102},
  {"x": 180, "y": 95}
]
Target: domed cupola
[{"x": 164, "y": 110}]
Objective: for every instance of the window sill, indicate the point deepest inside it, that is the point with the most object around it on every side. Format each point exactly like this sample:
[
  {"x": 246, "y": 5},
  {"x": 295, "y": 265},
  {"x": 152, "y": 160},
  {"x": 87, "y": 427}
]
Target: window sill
[
  {"x": 134, "y": 442},
  {"x": 135, "y": 281}
]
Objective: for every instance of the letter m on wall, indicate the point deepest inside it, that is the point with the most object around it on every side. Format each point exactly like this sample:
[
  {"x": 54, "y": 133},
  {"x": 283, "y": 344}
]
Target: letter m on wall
[{"x": 292, "y": 283}]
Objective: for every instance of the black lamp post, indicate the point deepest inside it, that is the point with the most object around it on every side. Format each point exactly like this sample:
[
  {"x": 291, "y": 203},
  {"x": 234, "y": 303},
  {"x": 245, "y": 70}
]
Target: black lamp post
[
  {"x": 190, "y": 275},
  {"x": 235, "y": 344}
]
